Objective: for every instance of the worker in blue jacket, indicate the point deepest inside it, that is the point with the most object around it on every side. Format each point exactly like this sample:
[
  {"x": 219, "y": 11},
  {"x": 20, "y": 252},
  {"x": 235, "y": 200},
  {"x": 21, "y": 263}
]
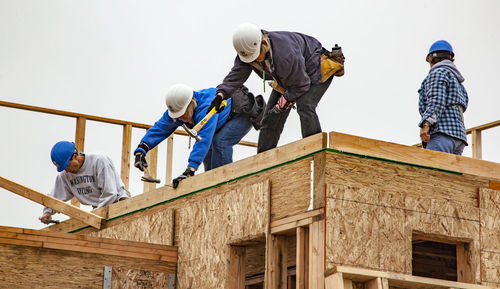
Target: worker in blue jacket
[
  {"x": 218, "y": 135},
  {"x": 300, "y": 69}
]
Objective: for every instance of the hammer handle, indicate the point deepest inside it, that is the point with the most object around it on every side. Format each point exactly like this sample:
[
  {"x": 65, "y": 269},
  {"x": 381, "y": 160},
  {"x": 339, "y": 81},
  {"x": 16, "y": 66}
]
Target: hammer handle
[{"x": 204, "y": 121}]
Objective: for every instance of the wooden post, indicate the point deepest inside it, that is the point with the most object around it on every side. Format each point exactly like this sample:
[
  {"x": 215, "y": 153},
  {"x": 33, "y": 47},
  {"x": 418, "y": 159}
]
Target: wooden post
[
  {"x": 237, "y": 265},
  {"x": 53, "y": 203},
  {"x": 170, "y": 155},
  {"x": 277, "y": 268},
  {"x": 316, "y": 254},
  {"x": 377, "y": 283},
  {"x": 464, "y": 272},
  {"x": 152, "y": 159},
  {"x": 334, "y": 281},
  {"x": 302, "y": 258},
  {"x": 80, "y": 145},
  {"x": 126, "y": 147},
  {"x": 476, "y": 144}
]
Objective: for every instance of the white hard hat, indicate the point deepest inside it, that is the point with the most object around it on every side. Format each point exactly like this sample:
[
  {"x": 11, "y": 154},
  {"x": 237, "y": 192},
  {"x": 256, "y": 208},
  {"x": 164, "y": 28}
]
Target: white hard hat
[
  {"x": 177, "y": 99},
  {"x": 246, "y": 41}
]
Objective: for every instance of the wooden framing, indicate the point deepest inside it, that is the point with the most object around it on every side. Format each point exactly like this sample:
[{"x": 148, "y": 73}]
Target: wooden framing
[
  {"x": 53, "y": 203},
  {"x": 152, "y": 159},
  {"x": 237, "y": 264},
  {"x": 382, "y": 280},
  {"x": 126, "y": 148},
  {"x": 276, "y": 270},
  {"x": 316, "y": 253},
  {"x": 476, "y": 144},
  {"x": 413, "y": 155},
  {"x": 290, "y": 223},
  {"x": 302, "y": 267},
  {"x": 78, "y": 243}
]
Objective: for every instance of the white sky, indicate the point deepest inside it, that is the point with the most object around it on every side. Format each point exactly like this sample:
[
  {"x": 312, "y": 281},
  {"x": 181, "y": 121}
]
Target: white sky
[{"x": 116, "y": 59}]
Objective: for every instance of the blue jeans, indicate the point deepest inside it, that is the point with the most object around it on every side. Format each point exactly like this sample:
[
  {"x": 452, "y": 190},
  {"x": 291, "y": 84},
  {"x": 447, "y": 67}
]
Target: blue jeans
[
  {"x": 273, "y": 124},
  {"x": 221, "y": 150},
  {"x": 444, "y": 143}
]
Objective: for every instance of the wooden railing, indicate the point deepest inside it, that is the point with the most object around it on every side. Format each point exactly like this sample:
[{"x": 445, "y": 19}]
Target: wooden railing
[
  {"x": 476, "y": 142},
  {"x": 152, "y": 155},
  {"x": 475, "y": 133}
]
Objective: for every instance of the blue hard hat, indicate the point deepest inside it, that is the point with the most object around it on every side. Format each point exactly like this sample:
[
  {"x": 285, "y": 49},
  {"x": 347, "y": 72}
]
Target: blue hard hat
[
  {"x": 61, "y": 153},
  {"x": 441, "y": 45}
]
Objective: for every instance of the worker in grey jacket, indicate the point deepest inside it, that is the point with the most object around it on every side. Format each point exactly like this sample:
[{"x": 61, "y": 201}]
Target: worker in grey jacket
[
  {"x": 91, "y": 178},
  {"x": 301, "y": 71}
]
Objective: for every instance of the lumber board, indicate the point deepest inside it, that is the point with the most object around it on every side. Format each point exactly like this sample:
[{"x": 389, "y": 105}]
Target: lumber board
[
  {"x": 51, "y": 202},
  {"x": 316, "y": 253},
  {"x": 126, "y": 148},
  {"x": 412, "y": 155},
  {"x": 397, "y": 279},
  {"x": 297, "y": 217},
  {"x": 302, "y": 256},
  {"x": 236, "y": 270},
  {"x": 80, "y": 243}
]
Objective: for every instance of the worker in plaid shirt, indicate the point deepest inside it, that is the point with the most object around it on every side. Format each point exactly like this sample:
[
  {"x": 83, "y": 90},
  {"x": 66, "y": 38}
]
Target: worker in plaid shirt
[{"x": 442, "y": 101}]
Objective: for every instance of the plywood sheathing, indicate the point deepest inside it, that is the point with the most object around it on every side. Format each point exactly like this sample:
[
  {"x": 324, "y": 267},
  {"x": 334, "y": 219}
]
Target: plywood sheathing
[
  {"x": 126, "y": 278},
  {"x": 156, "y": 228},
  {"x": 490, "y": 236},
  {"x": 373, "y": 229},
  {"x": 205, "y": 226},
  {"x": 30, "y": 267}
]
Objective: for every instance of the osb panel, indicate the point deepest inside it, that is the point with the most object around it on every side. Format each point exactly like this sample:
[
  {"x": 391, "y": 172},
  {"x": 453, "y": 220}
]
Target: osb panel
[
  {"x": 351, "y": 234},
  {"x": 394, "y": 248},
  {"x": 490, "y": 267},
  {"x": 157, "y": 228},
  {"x": 124, "y": 278},
  {"x": 490, "y": 220},
  {"x": 205, "y": 227},
  {"x": 291, "y": 192},
  {"x": 30, "y": 267},
  {"x": 365, "y": 232},
  {"x": 348, "y": 170}
]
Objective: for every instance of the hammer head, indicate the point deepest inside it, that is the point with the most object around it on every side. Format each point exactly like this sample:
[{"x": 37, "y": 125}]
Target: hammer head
[{"x": 192, "y": 132}]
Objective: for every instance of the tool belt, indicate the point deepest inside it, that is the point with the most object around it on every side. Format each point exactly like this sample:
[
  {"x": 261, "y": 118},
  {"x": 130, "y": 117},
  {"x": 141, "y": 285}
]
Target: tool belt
[{"x": 332, "y": 63}]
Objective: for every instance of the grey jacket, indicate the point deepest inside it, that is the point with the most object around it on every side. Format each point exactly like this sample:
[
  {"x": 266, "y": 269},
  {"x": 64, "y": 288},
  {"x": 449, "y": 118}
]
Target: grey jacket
[{"x": 295, "y": 64}]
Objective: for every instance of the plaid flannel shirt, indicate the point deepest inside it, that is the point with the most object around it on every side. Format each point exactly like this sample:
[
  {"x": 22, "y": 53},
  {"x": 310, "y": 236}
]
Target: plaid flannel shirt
[{"x": 440, "y": 96}]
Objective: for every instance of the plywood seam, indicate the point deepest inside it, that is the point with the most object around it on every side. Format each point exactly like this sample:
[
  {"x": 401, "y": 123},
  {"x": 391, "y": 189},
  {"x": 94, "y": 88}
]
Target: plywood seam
[{"x": 404, "y": 209}]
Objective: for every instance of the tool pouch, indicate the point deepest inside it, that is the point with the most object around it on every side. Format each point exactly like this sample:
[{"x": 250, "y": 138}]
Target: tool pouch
[
  {"x": 277, "y": 87},
  {"x": 332, "y": 63},
  {"x": 244, "y": 102}
]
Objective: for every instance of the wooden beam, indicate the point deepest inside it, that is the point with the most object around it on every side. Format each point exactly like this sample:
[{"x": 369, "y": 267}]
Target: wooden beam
[
  {"x": 335, "y": 281},
  {"x": 170, "y": 159},
  {"x": 397, "y": 279},
  {"x": 152, "y": 159},
  {"x": 126, "y": 147},
  {"x": 476, "y": 144},
  {"x": 494, "y": 185},
  {"x": 484, "y": 126},
  {"x": 317, "y": 254},
  {"x": 277, "y": 266},
  {"x": 237, "y": 266},
  {"x": 412, "y": 155},
  {"x": 377, "y": 283},
  {"x": 51, "y": 240},
  {"x": 302, "y": 263},
  {"x": 285, "y": 225},
  {"x": 464, "y": 270},
  {"x": 53, "y": 203}
]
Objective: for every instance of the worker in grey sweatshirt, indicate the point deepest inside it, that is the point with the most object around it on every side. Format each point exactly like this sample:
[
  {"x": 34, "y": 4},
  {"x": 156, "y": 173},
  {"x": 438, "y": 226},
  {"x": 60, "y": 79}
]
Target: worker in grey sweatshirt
[{"x": 91, "y": 178}]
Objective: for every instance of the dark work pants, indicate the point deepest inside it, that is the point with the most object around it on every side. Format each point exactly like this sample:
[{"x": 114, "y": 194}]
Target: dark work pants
[{"x": 273, "y": 123}]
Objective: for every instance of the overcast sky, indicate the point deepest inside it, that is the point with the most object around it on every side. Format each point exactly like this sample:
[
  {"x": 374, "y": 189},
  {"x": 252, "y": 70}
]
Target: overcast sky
[{"x": 116, "y": 59}]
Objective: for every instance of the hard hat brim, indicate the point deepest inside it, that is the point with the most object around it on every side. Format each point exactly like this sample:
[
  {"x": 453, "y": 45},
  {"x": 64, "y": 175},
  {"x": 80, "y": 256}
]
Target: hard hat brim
[
  {"x": 252, "y": 57},
  {"x": 178, "y": 113}
]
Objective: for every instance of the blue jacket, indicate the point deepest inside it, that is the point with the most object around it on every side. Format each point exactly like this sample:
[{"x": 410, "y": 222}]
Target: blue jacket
[
  {"x": 164, "y": 127},
  {"x": 295, "y": 65},
  {"x": 441, "y": 96}
]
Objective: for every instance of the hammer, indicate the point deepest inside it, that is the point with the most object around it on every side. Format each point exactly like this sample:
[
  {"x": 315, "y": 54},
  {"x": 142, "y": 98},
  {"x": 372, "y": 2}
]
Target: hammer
[{"x": 196, "y": 129}]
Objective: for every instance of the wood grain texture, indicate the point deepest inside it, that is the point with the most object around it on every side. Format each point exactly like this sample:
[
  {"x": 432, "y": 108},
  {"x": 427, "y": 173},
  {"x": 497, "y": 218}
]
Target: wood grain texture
[{"x": 413, "y": 155}]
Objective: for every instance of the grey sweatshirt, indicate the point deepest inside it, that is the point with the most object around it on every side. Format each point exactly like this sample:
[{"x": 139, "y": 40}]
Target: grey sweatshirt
[{"x": 97, "y": 183}]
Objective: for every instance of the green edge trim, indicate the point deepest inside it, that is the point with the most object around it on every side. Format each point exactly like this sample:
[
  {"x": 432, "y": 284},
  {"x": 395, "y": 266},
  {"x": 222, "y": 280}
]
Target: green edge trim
[{"x": 270, "y": 168}]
